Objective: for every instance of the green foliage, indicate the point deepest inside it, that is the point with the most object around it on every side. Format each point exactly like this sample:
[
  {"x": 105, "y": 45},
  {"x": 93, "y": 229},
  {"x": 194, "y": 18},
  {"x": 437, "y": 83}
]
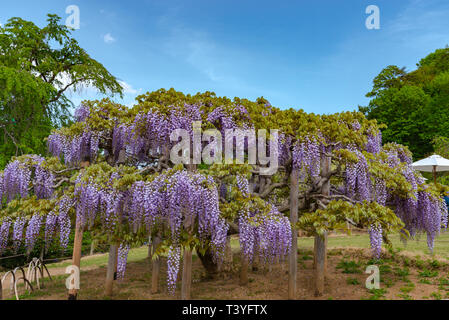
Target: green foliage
[
  {"x": 436, "y": 295},
  {"x": 441, "y": 146},
  {"x": 23, "y": 122},
  {"x": 405, "y": 296},
  {"x": 336, "y": 129},
  {"x": 434, "y": 264},
  {"x": 428, "y": 274},
  {"x": 52, "y": 253},
  {"x": 402, "y": 272},
  {"x": 425, "y": 281},
  {"x": 352, "y": 281},
  {"x": 37, "y": 67},
  {"x": 319, "y": 212},
  {"x": 384, "y": 269},
  {"x": 408, "y": 288},
  {"x": 414, "y": 104},
  {"x": 405, "y": 290},
  {"x": 339, "y": 212},
  {"x": 377, "y": 294},
  {"x": 349, "y": 266},
  {"x": 444, "y": 281}
]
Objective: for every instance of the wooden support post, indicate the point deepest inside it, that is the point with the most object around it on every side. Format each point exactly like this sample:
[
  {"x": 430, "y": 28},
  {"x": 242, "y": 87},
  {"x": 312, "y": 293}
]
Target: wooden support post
[
  {"x": 112, "y": 264},
  {"x": 325, "y": 253},
  {"x": 321, "y": 241},
  {"x": 315, "y": 245},
  {"x": 227, "y": 263},
  {"x": 244, "y": 271},
  {"x": 116, "y": 263},
  {"x": 77, "y": 243},
  {"x": 256, "y": 261},
  {"x": 150, "y": 246},
  {"x": 92, "y": 247},
  {"x": 76, "y": 257},
  {"x": 244, "y": 260},
  {"x": 435, "y": 175},
  {"x": 156, "y": 263},
  {"x": 1, "y": 290},
  {"x": 320, "y": 254},
  {"x": 186, "y": 274},
  {"x": 293, "y": 256},
  {"x": 187, "y": 263},
  {"x": 187, "y": 259}
]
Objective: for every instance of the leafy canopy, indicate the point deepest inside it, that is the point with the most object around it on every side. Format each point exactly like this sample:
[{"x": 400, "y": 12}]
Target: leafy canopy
[
  {"x": 37, "y": 67},
  {"x": 414, "y": 104}
]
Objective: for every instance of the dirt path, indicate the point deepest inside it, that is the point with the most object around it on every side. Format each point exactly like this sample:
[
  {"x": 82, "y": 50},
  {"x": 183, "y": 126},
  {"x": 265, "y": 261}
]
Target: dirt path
[
  {"x": 404, "y": 275},
  {"x": 54, "y": 272}
]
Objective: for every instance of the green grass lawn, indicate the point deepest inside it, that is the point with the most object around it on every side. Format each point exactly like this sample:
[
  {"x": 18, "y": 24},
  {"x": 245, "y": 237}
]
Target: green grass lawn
[
  {"x": 356, "y": 241},
  {"x": 135, "y": 254},
  {"x": 415, "y": 247},
  {"x": 418, "y": 247}
]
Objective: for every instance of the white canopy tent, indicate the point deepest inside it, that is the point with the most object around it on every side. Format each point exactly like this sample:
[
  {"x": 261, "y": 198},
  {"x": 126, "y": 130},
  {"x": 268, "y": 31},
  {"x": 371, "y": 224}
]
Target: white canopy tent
[{"x": 434, "y": 163}]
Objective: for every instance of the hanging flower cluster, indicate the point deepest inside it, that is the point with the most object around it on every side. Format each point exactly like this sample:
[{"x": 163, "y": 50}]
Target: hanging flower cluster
[
  {"x": 26, "y": 230},
  {"x": 307, "y": 157},
  {"x": 420, "y": 210},
  {"x": 270, "y": 232},
  {"x": 4, "y": 233},
  {"x": 374, "y": 144},
  {"x": 16, "y": 180},
  {"x": 358, "y": 181},
  {"x": 150, "y": 131},
  {"x": 121, "y": 260},
  {"x": 74, "y": 149},
  {"x": 32, "y": 232},
  {"x": 19, "y": 175},
  {"x": 174, "y": 198}
]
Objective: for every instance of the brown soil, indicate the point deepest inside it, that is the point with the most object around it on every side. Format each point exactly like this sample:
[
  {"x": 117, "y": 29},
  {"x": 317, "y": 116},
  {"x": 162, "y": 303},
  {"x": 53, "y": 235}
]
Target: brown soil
[{"x": 265, "y": 283}]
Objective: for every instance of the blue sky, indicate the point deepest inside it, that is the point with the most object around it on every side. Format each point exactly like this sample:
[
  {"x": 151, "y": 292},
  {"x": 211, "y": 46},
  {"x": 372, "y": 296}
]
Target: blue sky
[{"x": 315, "y": 55}]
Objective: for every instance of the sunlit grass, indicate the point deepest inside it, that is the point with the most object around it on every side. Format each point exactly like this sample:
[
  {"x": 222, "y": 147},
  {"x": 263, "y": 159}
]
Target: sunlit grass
[
  {"x": 135, "y": 254},
  {"x": 418, "y": 247}
]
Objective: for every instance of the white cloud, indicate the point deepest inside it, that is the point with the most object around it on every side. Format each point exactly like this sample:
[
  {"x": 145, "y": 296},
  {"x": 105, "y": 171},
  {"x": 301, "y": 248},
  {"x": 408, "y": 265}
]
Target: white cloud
[
  {"x": 108, "y": 38},
  {"x": 194, "y": 47},
  {"x": 223, "y": 67},
  {"x": 87, "y": 87},
  {"x": 127, "y": 88},
  {"x": 422, "y": 24}
]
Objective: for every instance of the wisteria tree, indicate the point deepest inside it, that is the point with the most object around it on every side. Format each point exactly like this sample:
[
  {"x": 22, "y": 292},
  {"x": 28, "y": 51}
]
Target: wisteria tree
[
  {"x": 342, "y": 174},
  {"x": 113, "y": 174}
]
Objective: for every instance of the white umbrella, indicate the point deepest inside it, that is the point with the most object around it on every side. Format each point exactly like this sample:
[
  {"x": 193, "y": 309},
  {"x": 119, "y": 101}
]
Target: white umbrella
[{"x": 434, "y": 163}]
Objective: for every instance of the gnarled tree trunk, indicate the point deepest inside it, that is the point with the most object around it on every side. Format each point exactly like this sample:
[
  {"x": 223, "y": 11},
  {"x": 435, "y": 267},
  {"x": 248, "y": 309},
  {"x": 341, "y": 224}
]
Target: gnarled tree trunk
[{"x": 209, "y": 264}]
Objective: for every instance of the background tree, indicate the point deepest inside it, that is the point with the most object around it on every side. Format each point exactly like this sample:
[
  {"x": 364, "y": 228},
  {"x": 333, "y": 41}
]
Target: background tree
[
  {"x": 414, "y": 105},
  {"x": 37, "y": 67}
]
